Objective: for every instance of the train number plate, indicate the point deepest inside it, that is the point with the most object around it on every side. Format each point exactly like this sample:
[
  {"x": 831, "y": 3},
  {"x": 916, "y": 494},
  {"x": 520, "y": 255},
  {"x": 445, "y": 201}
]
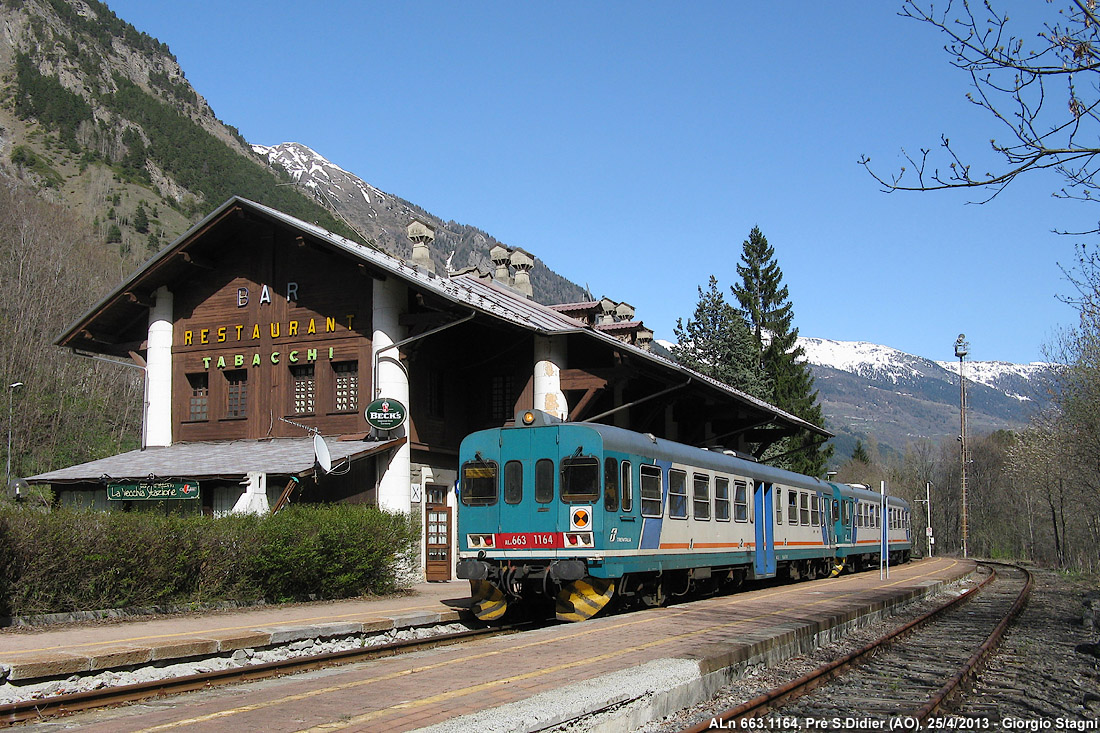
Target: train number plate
[{"x": 529, "y": 540}]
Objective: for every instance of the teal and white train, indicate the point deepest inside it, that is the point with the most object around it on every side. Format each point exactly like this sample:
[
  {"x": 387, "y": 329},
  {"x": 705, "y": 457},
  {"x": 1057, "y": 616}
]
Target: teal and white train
[{"x": 582, "y": 513}]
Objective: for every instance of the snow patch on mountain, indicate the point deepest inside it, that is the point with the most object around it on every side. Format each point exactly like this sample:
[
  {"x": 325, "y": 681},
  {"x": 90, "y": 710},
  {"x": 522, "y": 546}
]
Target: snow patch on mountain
[
  {"x": 864, "y": 359},
  {"x": 307, "y": 167}
]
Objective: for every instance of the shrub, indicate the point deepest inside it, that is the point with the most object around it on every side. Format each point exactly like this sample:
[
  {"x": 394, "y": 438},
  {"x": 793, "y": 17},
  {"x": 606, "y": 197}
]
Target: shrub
[{"x": 67, "y": 560}]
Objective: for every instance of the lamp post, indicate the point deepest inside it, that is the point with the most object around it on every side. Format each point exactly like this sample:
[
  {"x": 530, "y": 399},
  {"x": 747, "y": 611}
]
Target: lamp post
[
  {"x": 11, "y": 396},
  {"x": 962, "y": 348},
  {"x": 927, "y": 501}
]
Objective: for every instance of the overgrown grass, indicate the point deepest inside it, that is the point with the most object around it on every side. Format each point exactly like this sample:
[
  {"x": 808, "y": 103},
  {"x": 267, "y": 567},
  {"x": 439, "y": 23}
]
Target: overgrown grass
[{"x": 68, "y": 560}]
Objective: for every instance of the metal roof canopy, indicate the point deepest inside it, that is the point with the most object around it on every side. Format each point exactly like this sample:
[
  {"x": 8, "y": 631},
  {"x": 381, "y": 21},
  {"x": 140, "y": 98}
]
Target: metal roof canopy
[
  {"x": 230, "y": 459},
  {"x": 117, "y": 324}
]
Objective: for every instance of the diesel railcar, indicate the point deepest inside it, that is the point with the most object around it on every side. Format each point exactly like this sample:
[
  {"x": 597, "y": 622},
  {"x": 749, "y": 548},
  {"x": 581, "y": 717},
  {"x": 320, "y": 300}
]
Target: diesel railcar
[{"x": 580, "y": 513}]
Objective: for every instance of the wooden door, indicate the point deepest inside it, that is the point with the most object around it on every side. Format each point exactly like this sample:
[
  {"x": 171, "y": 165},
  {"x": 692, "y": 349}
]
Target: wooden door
[{"x": 438, "y": 542}]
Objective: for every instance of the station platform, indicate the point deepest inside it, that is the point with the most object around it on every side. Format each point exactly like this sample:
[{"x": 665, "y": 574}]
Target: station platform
[
  {"x": 630, "y": 668},
  {"x": 28, "y": 654}
]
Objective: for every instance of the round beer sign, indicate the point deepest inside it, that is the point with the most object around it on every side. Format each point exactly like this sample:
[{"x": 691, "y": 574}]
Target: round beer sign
[{"x": 385, "y": 414}]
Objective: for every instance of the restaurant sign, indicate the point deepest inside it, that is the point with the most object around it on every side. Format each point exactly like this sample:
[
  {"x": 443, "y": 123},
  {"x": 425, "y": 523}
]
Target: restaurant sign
[
  {"x": 152, "y": 490},
  {"x": 385, "y": 414}
]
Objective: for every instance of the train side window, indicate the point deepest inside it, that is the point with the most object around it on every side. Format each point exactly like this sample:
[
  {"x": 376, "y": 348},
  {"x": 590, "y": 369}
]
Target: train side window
[
  {"x": 740, "y": 501},
  {"x": 544, "y": 480},
  {"x": 627, "y": 488},
  {"x": 778, "y": 499},
  {"x": 513, "y": 482},
  {"x": 651, "y": 490},
  {"x": 792, "y": 507},
  {"x": 677, "y": 494},
  {"x": 611, "y": 484},
  {"x": 580, "y": 479},
  {"x": 700, "y": 488},
  {"x": 479, "y": 483},
  {"x": 847, "y": 509},
  {"x": 722, "y": 499},
  {"x": 804, "y": 511},
  {"x": 815, "y": 510}
]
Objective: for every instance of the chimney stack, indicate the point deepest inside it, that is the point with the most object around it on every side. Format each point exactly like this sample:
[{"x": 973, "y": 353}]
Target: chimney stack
[
  {"x": 422, "y": 234},
  {"x": 523, "y": 262}
]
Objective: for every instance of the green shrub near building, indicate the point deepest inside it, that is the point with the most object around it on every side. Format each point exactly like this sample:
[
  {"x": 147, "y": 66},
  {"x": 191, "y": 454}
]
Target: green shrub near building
[{"x": 66, "y": 560}]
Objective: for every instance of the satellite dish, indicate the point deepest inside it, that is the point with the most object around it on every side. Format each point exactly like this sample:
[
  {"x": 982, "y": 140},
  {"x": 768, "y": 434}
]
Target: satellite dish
[{"x": 320, "y": 451}]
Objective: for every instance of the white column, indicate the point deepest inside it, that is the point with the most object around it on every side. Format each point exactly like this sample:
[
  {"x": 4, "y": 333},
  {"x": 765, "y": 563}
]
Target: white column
[
  {"x": 254, "y": 498},
  {"x": 395, "y": 483},
  {"x": 549, "y": 361},
  {"x": 158, "y": 372}
]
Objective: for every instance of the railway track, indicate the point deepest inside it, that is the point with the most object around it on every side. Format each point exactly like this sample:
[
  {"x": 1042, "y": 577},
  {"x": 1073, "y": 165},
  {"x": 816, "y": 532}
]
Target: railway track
[
  {"x": 903, "y": 679},
  {"x": 20, "y": 712}
]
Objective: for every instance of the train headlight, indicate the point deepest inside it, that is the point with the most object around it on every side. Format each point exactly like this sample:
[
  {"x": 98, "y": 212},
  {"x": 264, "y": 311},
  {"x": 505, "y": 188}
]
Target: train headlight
[
  {"x": 578, "y": 540},
  {"x": 528, "y": 417},
  {"x": 479, "y": 540}
]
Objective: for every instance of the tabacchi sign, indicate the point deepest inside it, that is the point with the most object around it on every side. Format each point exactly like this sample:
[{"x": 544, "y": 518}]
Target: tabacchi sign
[{"x": 385, "y": 414}]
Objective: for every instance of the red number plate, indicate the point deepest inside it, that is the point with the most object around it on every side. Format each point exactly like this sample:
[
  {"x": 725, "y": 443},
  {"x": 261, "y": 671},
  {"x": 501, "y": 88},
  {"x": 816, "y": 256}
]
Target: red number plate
[{"x": 528, "y": 540}]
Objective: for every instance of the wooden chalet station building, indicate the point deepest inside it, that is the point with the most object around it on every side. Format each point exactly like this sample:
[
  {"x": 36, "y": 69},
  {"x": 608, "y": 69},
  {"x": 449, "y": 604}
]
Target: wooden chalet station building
[{"x": 267, "y": 344}]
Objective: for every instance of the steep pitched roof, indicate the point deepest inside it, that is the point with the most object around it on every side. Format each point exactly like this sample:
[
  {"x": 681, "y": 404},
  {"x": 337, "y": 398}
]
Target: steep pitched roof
[{"x": 125, "y": 307}]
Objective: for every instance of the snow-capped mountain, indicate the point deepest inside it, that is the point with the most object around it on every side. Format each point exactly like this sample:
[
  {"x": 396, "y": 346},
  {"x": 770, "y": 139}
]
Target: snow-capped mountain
[
  {"x": 868, "y": 389},
  {"x": 382, "y": 218}
]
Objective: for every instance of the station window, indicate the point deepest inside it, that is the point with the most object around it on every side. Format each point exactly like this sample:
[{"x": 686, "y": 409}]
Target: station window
[
  {"x": 627, "y": 488},
  {"x": 502, "y": 396},
  {"x": 722, "y": 498},
  {"x": 513, "y": 482},
  {"x": 199, "y": 403},
  {"x": 236, "y": 393},
  {"x": 544, "y": 480},
  {"x": 346, "y": 381},
  {"x": 610, "y": 484},
  {"x": 700, "y": 505},
  {"x": 305, "y": 388},
  {"x": 741, "y": 501},
  {"x": 651, "y": 490},
  {"x": 792, "y": 507},
  {"x": 479, "y": 483},
  {"x": 580, "y": 479},
  {"x": 677, "y": 494}
]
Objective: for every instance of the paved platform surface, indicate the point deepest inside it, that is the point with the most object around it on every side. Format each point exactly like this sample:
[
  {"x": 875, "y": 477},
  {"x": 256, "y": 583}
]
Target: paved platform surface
[
  {"x": 638, "y": 666},
  {"x": 89, "y": 647}
]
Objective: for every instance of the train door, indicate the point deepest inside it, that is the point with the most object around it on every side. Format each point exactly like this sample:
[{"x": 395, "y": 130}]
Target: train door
[
  {"x": 763, "y": 500},
  {"x": 437, "y": 543}
]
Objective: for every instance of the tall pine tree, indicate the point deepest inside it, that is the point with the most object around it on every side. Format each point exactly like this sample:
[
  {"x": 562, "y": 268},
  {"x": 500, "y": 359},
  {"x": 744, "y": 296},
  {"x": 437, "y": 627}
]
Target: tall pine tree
[
  {"x": 717, "y": 342},
  {"x": 763, "y": 297}
]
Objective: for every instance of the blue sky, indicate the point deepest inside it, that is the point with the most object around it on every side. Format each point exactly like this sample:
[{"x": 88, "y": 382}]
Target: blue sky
[{"x": 632, "y": 146}]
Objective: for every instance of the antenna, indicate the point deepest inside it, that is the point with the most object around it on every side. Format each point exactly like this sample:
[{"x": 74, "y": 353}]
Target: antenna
[{"x": 320, "y": 450}]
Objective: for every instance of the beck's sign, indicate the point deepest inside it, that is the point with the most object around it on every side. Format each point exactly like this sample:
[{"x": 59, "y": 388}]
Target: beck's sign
[{"x": 385, "y": 414}]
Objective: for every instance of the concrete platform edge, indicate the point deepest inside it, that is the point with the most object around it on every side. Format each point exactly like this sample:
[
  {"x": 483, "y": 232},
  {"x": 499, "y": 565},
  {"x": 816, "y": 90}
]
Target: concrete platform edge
[{"x": 59, "y": 664}]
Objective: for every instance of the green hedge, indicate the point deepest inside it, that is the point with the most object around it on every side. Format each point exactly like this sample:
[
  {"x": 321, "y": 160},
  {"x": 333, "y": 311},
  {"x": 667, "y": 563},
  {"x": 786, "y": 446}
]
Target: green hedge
[{"x": 68, "y": 560}]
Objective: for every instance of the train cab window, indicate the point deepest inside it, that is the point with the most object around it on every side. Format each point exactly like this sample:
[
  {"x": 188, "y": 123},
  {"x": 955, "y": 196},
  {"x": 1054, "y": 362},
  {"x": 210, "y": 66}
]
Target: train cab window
[
  {"x": 741, "y": 501},
  {"x": 513, "y": 482},
  {"x": 627, "y": 487},
  {"x": 479, "y": 483},
  {"x": 804, "y": 511},
  {"x": 778, "y": 499},
  {"x": 651, "y": 490},
  {"x": 544, "y": 480},
  {"x": 611, "y": 484},
  {"x": 700, "y": 505},
  {"x": 792, "y": 507},
  {"x": 677, "y": 494},
  {"x": 580, "y": 479},
  {"x": 722, "y": 499}
]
